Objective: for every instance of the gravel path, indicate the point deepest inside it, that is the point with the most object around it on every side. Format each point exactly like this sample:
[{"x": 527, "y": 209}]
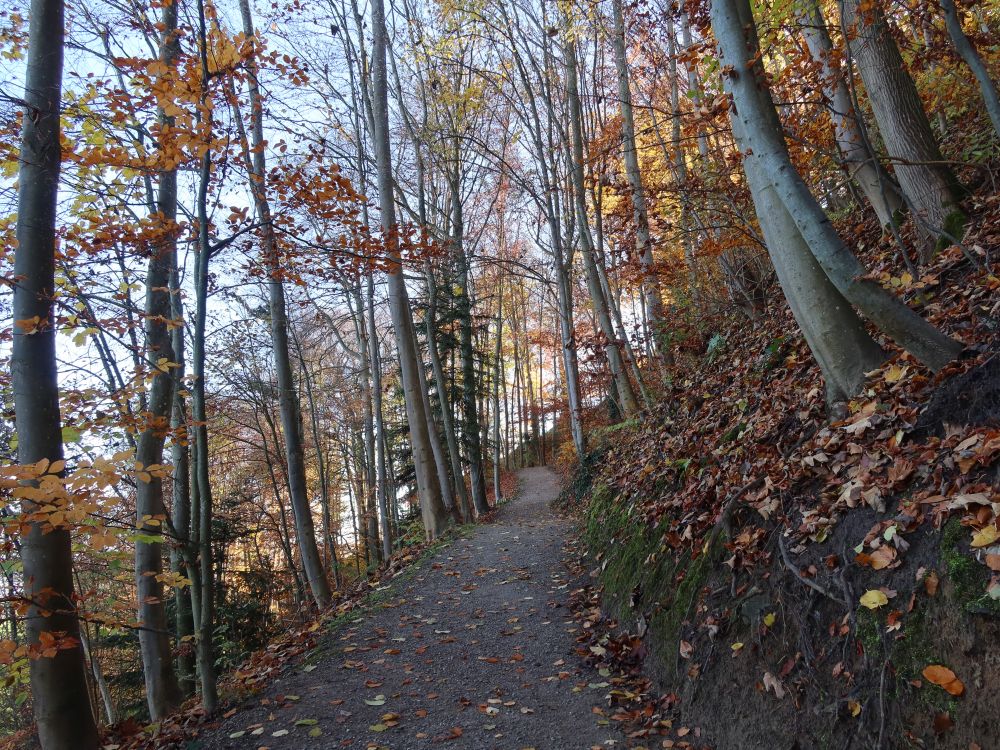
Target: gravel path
[{"x": 473, "y": 651}]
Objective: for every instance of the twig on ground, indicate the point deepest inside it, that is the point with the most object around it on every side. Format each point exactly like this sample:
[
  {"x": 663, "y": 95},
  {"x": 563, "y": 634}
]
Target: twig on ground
[{"x": 798, "y": 574}]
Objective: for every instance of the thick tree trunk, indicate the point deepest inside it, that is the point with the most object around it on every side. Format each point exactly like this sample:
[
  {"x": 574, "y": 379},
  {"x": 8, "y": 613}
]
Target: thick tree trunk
[
  {"x": 433, "y": 511},
  {"x": 855, "y": 158},
  {"x": 163, "y": 693},
  {"x": 926, "y": 180},
  {"x": 971, "y": 57},
  {"x": 640, "y": 215},
  {"x": 756, "y": 125},
  {"x": 60, "y": 699}
]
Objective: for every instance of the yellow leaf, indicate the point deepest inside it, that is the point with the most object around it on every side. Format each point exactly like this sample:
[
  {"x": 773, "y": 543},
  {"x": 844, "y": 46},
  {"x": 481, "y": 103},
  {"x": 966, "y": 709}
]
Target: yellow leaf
[
  {"x": 854, "y": 707},
  {"x": 985, "y": 536},
  {"x": 874, "y": 599},
  {"x": 894, "y": 374},
  {"x": 769, "y": 619}
]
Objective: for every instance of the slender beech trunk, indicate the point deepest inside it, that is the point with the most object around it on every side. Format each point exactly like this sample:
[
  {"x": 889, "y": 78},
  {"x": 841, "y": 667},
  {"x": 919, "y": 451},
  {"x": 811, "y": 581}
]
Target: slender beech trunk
[
  {"x": 291, "y": 421},
  {"x": 630, "y": 404},
  {"x": 433, "y": 511},
  {"x": 927, "y": 182},
  {"x": 368, "y": 431},
  {"x": 447, "y": 415},
  {"x": 60, "y": 699},
  {"x": 378, "y": 423},
  {"x": 182, "y": 557},
  {"x": 470, "y": 404},
  {"x": 206, "y": 617},
  {"x": 968, "y": 53},
  {"x": 163, "y": 692},
  {"x": 640, "y": 214},
  {"x": 856, "y": 160},
  {"x": 766, "y": 159}
]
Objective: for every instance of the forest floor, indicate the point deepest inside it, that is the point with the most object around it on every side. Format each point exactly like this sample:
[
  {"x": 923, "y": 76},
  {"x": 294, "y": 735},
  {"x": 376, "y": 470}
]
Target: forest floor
[{"x": 475, "y": 649}]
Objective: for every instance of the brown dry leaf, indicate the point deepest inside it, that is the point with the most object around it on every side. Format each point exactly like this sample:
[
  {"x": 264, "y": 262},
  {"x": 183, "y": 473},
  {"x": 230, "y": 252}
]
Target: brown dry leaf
[
  {"x": 931, "y": 583},
  {"x": 944, "y": 678}
]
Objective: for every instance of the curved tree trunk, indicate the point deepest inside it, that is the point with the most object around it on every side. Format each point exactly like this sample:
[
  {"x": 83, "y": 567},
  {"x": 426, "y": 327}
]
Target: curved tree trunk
[
  {"x": 61, "y": 701},
  {"x": 288, "y": 402},
  {"x": 971, "y": 57},
  {"x": 929, "y": 185},
  {"x": 756, "y": 124}
]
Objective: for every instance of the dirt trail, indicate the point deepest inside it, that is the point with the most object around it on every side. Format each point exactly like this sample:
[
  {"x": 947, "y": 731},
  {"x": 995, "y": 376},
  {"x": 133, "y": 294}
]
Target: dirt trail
[{"x": 473, "y": 651}]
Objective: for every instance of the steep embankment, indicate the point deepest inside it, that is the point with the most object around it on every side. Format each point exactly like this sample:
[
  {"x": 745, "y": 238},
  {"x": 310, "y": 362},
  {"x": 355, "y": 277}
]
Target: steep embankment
[{"x": 788, "y": 581}]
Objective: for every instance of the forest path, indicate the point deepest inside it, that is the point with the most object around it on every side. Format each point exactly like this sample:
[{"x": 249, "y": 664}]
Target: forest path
[{"x": 474, "y": 650}]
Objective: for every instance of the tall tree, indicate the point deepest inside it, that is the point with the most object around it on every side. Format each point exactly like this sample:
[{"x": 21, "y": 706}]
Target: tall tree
[
  {"x": 433, "y": 511},
  {"x": 640, "y": 214},
  {"x": 855, "y": 156},
  {"x": 598, "y": 299},
  {"x": 163, "y": 692},
  {"x": 769, "y": 168},
  {"x": 928, "y": 183},
  {"x": 968, "y": 53},
  {"x": 288, "y": 400},
  {"x": 61, "y": 700}
]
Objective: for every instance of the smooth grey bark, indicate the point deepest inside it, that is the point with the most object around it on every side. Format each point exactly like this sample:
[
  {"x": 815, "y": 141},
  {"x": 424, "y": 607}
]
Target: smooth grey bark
[
  {"x": 373, "y": 548},
  {"x": 761, "y": 140},
  {"x": 288, "y": 402},
  {"x": 971, "y": 57},
  {"x": 60, "y": 699},
  {"x": 640, "y": 213},
  {"x": 181, "y": 556},
  {"x": 860, "y": 165},
  {"x": 205, "y": 651},
  {"x": 926, "y": 180},
  {"x": 163, "y": 692},
  {"x": 630, "y": 404},
  {"x": 378, "y": 423},
  {"x": 433, "y": 511}
]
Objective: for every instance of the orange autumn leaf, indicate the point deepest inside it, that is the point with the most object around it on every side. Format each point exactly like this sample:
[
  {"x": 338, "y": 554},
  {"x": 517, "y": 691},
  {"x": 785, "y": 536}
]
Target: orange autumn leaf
[{"x": 944, "y": 678}]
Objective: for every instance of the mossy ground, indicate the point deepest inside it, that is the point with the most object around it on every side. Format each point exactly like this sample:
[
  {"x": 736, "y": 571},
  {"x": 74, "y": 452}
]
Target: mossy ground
[{"x": 641, "y": 576}]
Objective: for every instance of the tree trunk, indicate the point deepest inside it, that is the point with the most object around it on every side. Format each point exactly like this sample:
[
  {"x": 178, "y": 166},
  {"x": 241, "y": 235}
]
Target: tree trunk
[
  {"x": 756, "y": 125},
  {"x": 929, "y": 185},
  {"x": 470, "y": 405},
  {"x": 206, "y": 617},
  {"x": 433, "y": 511},
  {"x": 291, "y": 422},
  {"x": 382, "y": 478},
  {"x": 855, "y": 158},
  {"x": 971, "y": 57},
  {"x": 640, "y": 214},
  {"x": 163, "y": 693},
  {"x": 630, "y": 404},
  {"x": 61, "y": 702}
]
